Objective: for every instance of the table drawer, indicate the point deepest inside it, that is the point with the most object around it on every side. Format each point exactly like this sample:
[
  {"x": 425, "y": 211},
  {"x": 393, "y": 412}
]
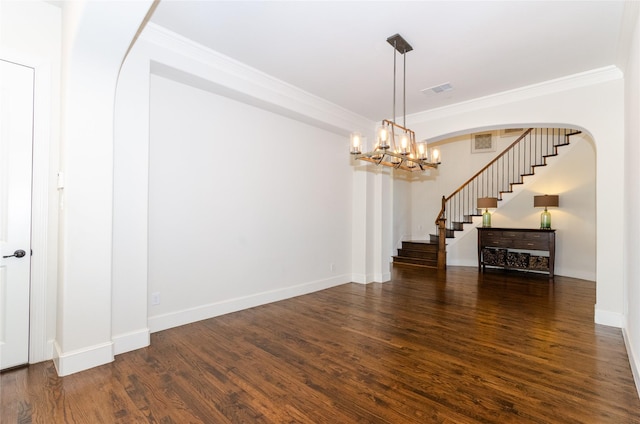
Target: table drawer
[
  {"x": 516, "y": 240},
  {"x": 540, "y": 244},
  {"x": 544, "y": 236},
  {"x": 495, "y": 241}
]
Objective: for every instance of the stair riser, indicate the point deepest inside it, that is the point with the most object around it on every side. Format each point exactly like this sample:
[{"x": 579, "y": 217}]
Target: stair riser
[
  {"x": 421, "y": 247},
  {"x": 418, "y": 254},
  {"x": 458, "y": 226}
]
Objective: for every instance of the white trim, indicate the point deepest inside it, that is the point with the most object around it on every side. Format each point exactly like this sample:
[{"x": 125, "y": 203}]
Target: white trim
[
  {"x": 369, "y": 278},
  {"x": 633, "y": 359},
  {"x": 131, "y": 341},
  {"x": 213, "y": 71},
  {"x": 40, "y": 347},
  {"x": 187, "y": 316},
  {"x": 612, "y": 319},
  {"x": 82, "y": 359},
  {"x": 359, "y": 278},
  {"x": 582, "y": 79},
  {"x": 382, "y": 277}
]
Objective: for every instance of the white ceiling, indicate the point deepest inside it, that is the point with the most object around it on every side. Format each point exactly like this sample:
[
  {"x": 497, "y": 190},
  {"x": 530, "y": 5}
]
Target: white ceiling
[{"x": 337, "y": 50}]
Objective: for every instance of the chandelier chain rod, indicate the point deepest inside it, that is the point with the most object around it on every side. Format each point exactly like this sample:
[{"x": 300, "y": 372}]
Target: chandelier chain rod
[
  {"x": 395, "y": 53},
  {"x": 404, "y": 90}
]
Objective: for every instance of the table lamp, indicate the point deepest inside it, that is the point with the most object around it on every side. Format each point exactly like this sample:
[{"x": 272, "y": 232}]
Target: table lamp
[
  {"x": 545, "y": 201},
  {"x": 486, "y": 203}
]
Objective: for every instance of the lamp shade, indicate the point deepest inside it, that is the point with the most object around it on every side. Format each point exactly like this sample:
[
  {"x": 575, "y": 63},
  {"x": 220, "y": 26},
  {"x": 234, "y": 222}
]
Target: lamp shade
[
  {"x": 487, "y": 202},
  {"x": 546, "y": 201}
]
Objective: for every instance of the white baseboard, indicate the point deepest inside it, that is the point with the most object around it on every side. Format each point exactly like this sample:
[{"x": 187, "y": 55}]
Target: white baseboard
[
  {"x": 575, "y": 273},
  {"x": 131, "y": 341},
  {"x": 187, "y": 316},
  {"x": 67, "y": 363},
  {"x": 612, "y": 319},
  {"x": 382, "y": 277},
  {"x": 463, "y": 262},
  {"x": 634, "y": 361},
  {"x": 359, "y": 278}
]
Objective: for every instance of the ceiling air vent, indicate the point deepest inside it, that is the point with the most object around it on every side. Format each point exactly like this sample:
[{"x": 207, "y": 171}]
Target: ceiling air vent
[{"x": 437, "y": 89}]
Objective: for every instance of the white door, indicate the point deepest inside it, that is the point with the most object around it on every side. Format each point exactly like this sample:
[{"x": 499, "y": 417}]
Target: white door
[{"x": 16, "y": 138}]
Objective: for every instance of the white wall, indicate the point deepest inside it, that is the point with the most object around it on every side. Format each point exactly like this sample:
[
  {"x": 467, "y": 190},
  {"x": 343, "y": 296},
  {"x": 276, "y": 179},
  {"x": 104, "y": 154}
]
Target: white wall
[
  {"x": 96, "y": 38},
  {"x": 261, "y": 202},
  {"x": 270, "y": 219},
  {"x": 402, "y": 212},
  {"x": 129, "y": 265},
  {"x": 632, "y": 199}
]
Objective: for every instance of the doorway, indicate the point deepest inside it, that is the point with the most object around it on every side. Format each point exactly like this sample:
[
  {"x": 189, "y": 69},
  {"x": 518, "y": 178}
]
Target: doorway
[{"x": 16, "y": 148}]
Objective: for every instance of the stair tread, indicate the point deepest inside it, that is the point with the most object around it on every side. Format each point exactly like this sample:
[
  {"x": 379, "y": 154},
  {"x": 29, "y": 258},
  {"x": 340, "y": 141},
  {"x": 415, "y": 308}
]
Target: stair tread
[
  {"x": 415, "y": 261},
  {"x": 433, "y": 258},
  {"x": 415, "y": 265}
]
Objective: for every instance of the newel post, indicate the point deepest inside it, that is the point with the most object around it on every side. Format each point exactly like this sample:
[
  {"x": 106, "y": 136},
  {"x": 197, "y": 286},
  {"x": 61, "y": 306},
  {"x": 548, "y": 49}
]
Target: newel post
[{"x": 442, "y": 238}]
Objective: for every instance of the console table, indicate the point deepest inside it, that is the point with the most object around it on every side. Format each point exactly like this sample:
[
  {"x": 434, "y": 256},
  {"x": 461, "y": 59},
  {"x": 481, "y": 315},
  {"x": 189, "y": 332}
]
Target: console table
[{"x": 503, "y": 247}]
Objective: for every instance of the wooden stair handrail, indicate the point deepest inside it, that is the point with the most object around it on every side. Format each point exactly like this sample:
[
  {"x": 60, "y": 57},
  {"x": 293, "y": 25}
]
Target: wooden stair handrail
[{"x": 504, "y": 152}]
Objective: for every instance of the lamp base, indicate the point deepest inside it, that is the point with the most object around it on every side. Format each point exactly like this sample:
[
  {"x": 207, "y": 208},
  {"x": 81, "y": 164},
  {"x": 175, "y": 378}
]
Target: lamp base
[
  {"x": 486, "y": 219},
  {"x": 545, "y": 220}
]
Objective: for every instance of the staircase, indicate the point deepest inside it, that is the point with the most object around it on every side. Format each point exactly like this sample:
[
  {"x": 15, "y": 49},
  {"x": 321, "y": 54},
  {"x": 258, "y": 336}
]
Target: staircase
[
  {"x": 419, "y": 253},
  {"x": 499, "y": 176}
]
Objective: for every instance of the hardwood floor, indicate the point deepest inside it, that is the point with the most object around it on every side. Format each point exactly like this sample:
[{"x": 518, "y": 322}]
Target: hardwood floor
[{"x": 455, "y": 347}]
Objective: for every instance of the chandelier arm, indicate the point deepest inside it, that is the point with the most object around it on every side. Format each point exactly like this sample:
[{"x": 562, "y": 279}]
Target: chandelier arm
[{"x": 392, "y": 145}]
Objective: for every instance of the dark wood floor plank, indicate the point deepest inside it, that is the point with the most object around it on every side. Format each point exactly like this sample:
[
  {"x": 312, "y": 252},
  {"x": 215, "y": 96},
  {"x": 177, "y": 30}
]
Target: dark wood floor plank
[{"x": 443, "y": 347}]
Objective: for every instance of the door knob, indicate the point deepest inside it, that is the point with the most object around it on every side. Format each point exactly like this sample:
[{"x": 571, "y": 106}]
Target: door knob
[{"x": 17, "y": 254}]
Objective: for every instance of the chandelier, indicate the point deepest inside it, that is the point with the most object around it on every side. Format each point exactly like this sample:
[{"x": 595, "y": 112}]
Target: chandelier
[{"x": 396, "y": 145}]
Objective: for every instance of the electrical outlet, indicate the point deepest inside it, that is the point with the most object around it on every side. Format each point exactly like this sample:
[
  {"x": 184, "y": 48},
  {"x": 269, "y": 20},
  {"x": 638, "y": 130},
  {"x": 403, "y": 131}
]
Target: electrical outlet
[
  {"x": 155, "y": 298},
  {"x": 332, "y": 267}
]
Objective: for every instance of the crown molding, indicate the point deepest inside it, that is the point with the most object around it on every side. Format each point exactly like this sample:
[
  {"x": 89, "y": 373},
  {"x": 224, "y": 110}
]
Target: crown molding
[
  {"x": 197, "y": 65},
  {"x": 583, "y": 79}
]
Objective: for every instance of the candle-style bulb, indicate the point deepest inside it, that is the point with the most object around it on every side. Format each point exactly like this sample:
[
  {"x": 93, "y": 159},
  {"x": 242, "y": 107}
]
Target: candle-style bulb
[{"x": 356, "y": 143}]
